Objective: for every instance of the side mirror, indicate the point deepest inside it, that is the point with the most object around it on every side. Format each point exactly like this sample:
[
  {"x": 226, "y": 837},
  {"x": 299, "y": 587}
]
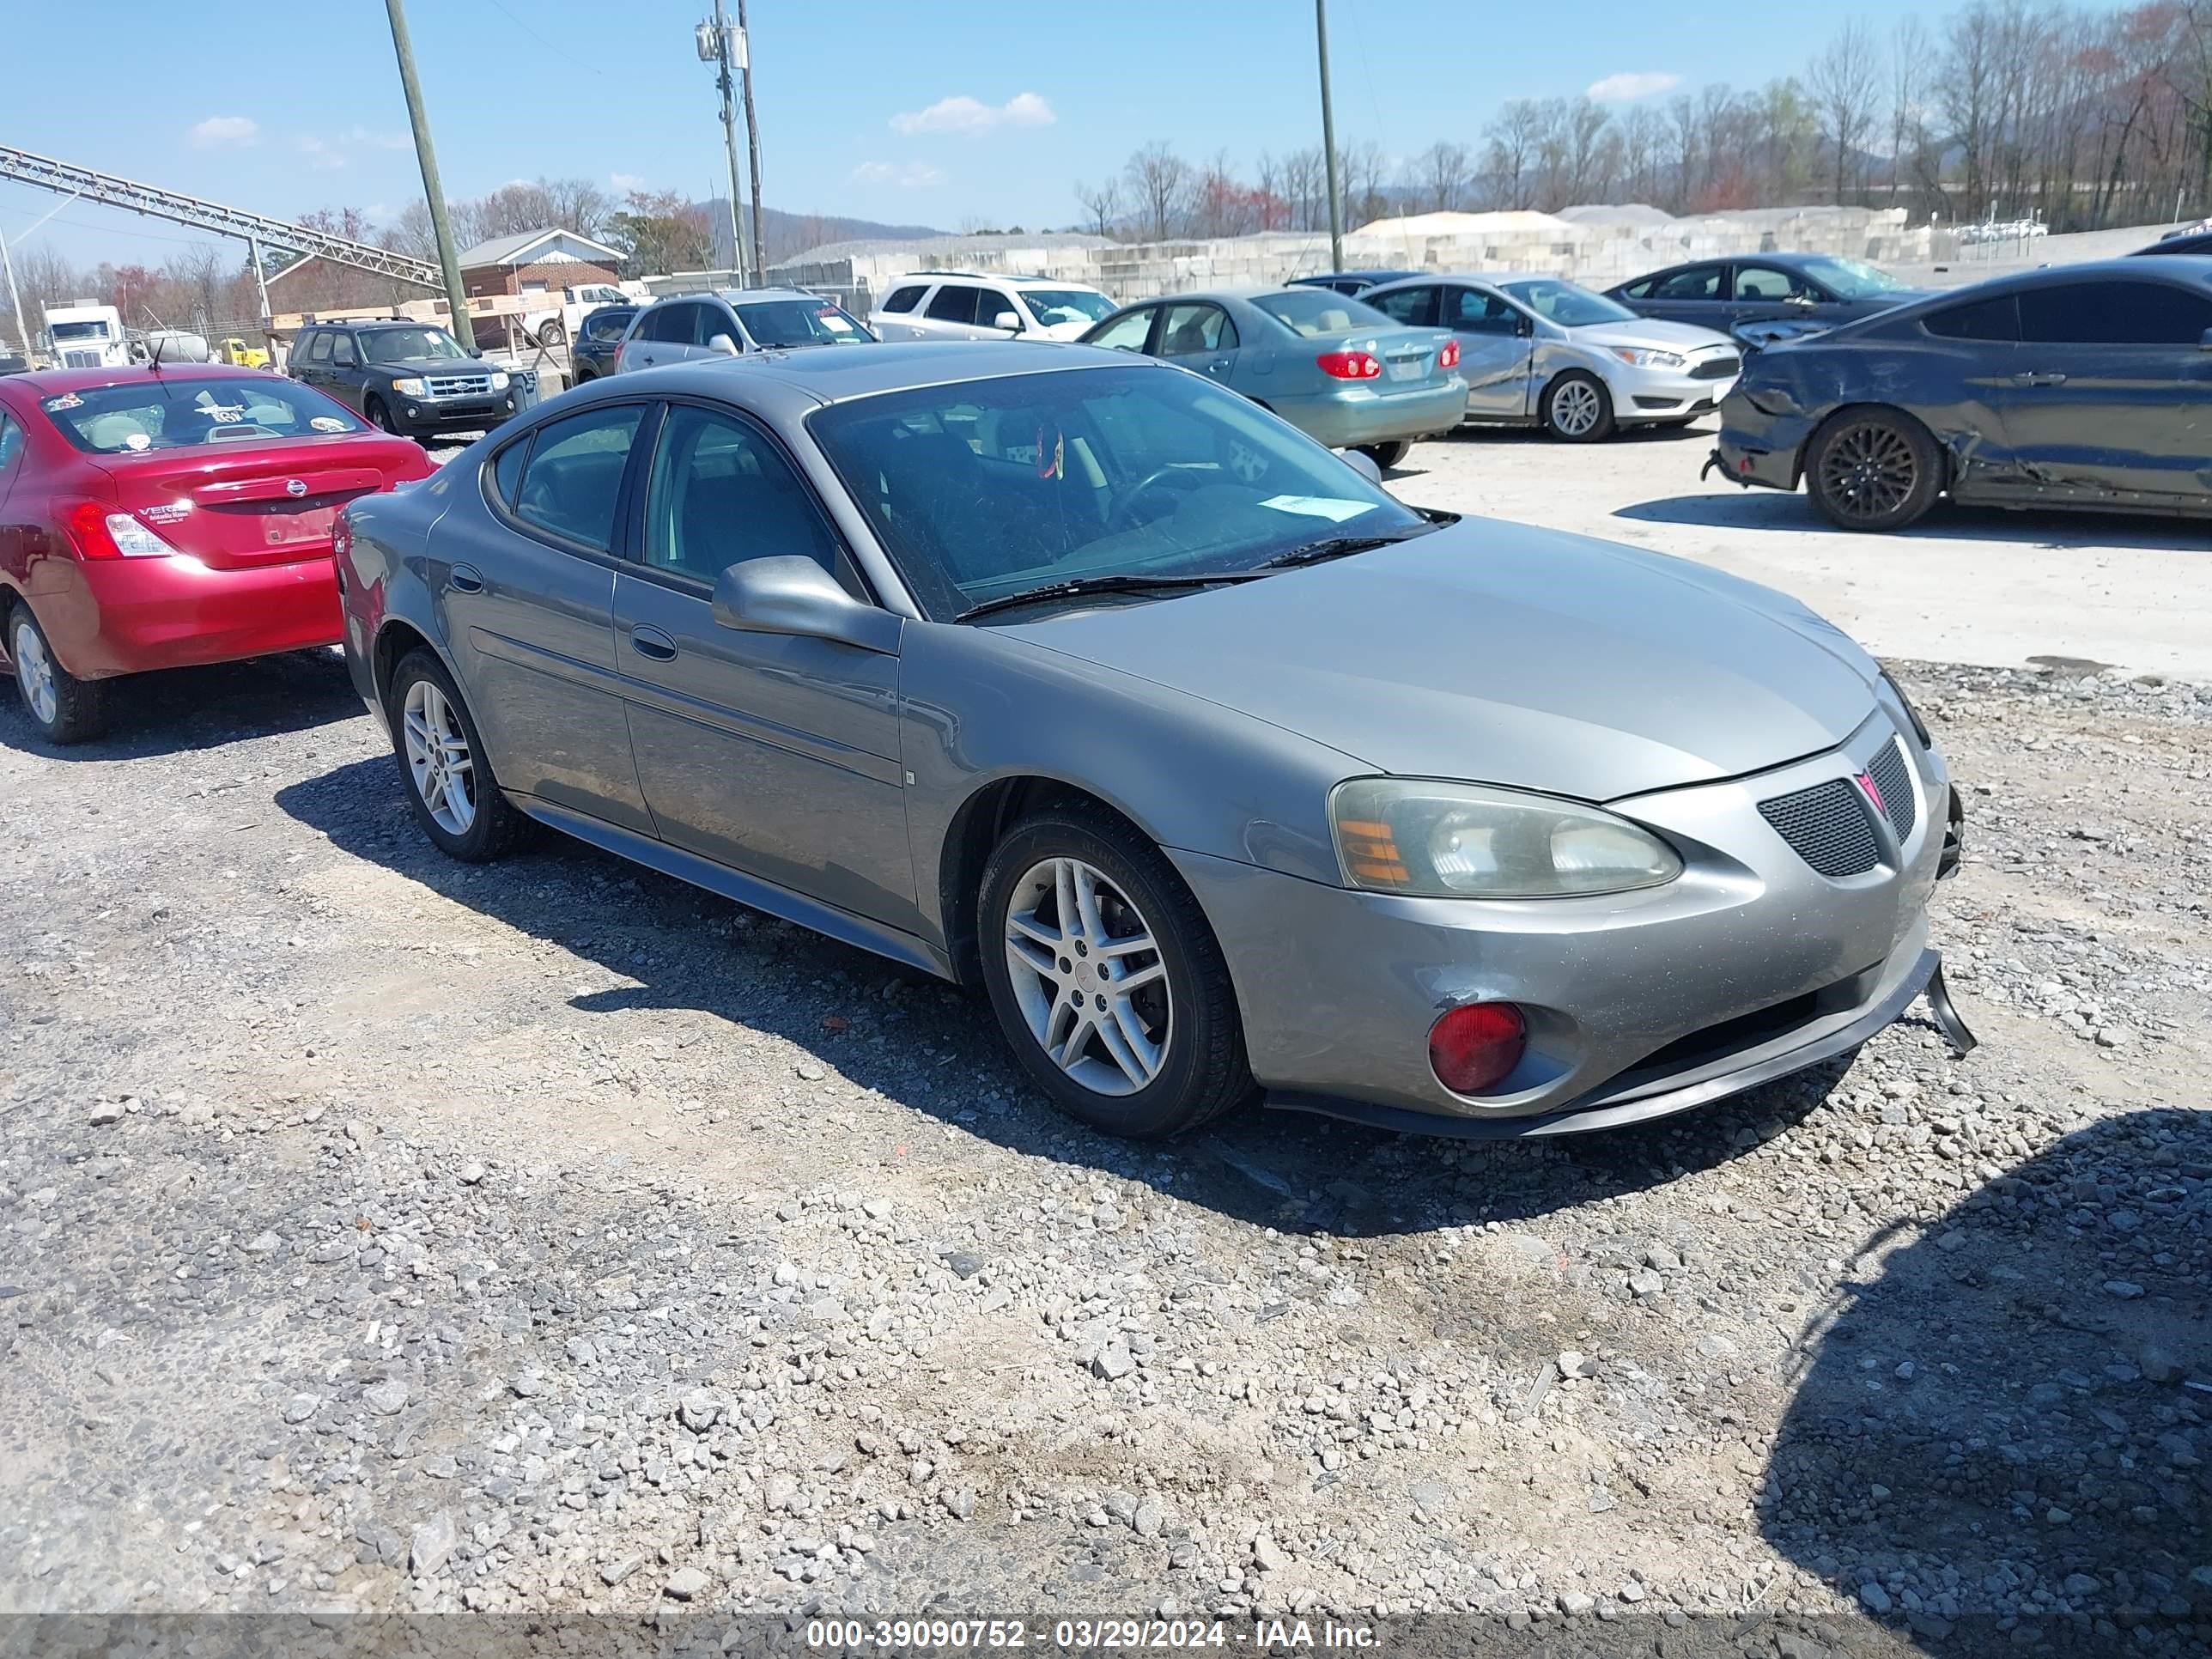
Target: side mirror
[
  {"x": 724, "y": 344},
  {"x": 1363, "y": 464},
  {"x": 1525, "y": 326},
  {"x": 2204, "y": 342},
  {"x": 1010, "y": 321},
  {"x": 791, "y": 594}
]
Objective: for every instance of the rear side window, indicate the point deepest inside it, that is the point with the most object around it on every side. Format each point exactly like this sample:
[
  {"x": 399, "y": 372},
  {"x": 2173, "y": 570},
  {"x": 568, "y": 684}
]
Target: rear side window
[
  {"x": 319, "y": 352},
  {"x": 2114, "y": 313},
  {"x": 1698, "y": 282},
  {"x": 574, "y": 476},
  {"x": 12, "y": 441},
  {"x": 602, "y": 329},
  {"x": 905, "y": 299},
  {"x": 955, "y": 303},
  {"x": 1996, "y": 318}
]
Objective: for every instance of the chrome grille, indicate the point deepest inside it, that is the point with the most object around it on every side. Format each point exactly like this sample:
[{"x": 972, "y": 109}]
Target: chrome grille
[
  {"x": 1894, "y": 779},
  {"x": 80, "y": 360},
  {"x": 461, "y": 385},
  {"x": 1829, "y": 826},
  {"x": 1716, "y": 368}
]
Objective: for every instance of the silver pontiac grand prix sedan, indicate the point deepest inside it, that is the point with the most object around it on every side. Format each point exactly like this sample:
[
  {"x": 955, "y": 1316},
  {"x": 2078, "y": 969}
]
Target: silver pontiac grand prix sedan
[{"x": 1222, "y": 773}]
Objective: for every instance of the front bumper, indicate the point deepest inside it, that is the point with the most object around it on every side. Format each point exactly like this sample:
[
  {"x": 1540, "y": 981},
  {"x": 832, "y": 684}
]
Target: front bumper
[
  {"x": 1749, "y": 966},
  {"x": 133, "y": 615},
  {"x": 1361, "y": 414},
  {"x": 418, "y": 416},
  {"x": 1657, "y": 394}
]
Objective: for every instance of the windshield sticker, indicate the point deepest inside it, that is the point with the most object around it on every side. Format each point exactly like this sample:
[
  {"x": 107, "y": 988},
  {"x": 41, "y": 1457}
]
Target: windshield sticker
[
  {"x": 1319, "y": 507},
  {"x": 138, "y": 440},
  {"x": 67, "y": 400},
  {"x": 226, "y": 414},
  {"x": 327, "y": 423},
  {"x": 1050, "y": 459},
  {"x": 835, "y": 320}
]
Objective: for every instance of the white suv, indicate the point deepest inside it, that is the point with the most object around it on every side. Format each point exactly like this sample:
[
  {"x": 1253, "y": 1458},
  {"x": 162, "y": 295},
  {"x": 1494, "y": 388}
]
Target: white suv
[{"x": 942, "y": 305}]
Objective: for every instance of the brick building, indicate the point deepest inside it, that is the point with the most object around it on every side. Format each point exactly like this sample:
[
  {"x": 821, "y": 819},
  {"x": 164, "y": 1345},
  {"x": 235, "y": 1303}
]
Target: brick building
[{"x": 536, "y": 261}]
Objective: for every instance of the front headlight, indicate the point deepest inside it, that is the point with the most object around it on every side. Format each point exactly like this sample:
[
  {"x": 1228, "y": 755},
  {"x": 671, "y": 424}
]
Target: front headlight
[
  {"x": 1467, "y": 841},
  {"x": 499, "y": 378},
  {"x": 411, "y": 387},
  {"x": 1648, "y": 357}
]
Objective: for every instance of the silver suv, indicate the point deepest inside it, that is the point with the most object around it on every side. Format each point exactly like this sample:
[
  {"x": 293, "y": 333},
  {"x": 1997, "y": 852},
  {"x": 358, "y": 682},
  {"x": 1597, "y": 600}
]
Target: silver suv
[
  {"x": 946, "y": 305},
  {"x": 731, "y": 322}
]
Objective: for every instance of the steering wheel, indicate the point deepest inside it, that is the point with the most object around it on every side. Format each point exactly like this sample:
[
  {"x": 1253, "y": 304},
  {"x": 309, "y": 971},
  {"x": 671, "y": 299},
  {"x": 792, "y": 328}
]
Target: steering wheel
[{"x": 1158, "y": 476}]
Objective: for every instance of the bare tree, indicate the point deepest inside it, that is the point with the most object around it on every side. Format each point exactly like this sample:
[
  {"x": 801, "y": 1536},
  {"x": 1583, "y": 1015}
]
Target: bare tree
[
  {"x": 1101, "y": 203},
  {"x": 1910, "y": 50},
  {"x": 1844, "y": 81},
  {"x": 1444, "y": 169},
  {"x": 1160, "y": 179},
  {"x": 1509, "y": 150},
  {"x": 576, "y": 205}
]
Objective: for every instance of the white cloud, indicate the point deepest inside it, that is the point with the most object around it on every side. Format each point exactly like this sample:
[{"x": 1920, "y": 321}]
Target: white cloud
[
  {"x": 361, "y": 138},
  {"x": 221, "y": 132},
  {"x": 320, "y": 155},
  {"x": 966, "y": 115},
  {"x": 910, "y": 175},
  {"x": 1628, "y": 87},
  {"x": 627, "y": 181}
]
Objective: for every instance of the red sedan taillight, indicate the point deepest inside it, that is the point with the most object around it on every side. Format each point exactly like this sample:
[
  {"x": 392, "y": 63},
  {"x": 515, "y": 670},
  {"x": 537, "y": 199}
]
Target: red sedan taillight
[
  {"x": 1449, "y": 357},
  {"x": 1350, "y": 365},
  {"x": 1476, "y": 1045},
  {"x": 97, "y": 532}
]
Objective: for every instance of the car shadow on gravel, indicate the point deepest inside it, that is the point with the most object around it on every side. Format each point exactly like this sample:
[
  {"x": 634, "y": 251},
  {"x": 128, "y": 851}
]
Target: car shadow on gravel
[
  {"x": 1291, "y": 1170},
  {"x": 2010, "y": 1411},
  {"x": 1789, "y": 511},
  {"x": 1701, "y": 427},
  {"x": 180, "y": 710}
]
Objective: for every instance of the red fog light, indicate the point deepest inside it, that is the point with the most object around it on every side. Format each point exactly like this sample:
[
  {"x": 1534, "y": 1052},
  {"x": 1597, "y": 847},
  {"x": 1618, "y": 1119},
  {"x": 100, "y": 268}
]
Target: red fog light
[{"x": 1472, "y": 1046}]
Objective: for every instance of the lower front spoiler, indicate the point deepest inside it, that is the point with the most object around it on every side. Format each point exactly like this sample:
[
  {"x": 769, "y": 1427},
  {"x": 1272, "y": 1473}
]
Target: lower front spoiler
[{"x": 1925, "y": 976}]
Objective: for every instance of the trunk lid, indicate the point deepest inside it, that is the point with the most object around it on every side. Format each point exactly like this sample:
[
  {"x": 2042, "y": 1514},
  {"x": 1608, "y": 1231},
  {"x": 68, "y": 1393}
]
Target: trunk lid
[
  {"x": 257, "y": 504},
  {"x": 1408, "y": 355}
]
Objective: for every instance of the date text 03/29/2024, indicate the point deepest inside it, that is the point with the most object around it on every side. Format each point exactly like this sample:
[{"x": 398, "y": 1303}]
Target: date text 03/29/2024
[{"x": 1082, "y": 1635}]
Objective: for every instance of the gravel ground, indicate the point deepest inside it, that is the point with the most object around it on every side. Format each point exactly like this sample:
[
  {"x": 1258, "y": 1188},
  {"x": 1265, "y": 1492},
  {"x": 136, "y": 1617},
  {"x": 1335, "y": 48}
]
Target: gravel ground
[{"x": 383, "y": 1234}]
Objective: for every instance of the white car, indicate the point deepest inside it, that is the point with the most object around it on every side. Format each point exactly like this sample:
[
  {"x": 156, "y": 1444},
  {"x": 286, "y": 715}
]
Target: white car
[
  {"x": 732, "y": 322},
  {"x": 947, "y": 304}
]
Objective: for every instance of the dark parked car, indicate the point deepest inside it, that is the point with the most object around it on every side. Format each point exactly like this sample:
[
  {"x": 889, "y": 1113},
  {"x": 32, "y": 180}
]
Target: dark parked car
[
  {"x": 2081, "y": 385},
  {"x": 1349, "y": 282},
  {"x": 597, "y": 341},
  {"x": 411, "y": 379},
  {"x": 12, "y": 364},
  {"x": 2195, "y": 241},
  {"x": 1756, "y": 288}
]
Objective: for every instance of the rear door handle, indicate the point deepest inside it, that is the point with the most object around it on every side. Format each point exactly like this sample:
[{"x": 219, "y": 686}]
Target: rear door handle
[
  {"x": 651, "y": 642},
  {"x": 2032, "y": 377},
  {"x": 465, "y": 579}
]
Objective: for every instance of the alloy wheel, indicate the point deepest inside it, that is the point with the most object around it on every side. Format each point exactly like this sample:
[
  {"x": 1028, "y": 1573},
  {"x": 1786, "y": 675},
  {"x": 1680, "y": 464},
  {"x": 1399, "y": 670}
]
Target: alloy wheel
[
  {"x": 438, "y": 758},
  {"x": 1575, "y": 408},
  {"x": 1868, "y": 471},
  {"x": 35, "y": 673},
  {"x": 1087, "y": 972}
]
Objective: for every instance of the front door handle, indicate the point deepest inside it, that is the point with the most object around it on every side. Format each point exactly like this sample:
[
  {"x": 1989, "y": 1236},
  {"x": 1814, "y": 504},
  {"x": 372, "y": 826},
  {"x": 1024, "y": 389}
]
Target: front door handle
[
  {"x": 465, "y": 579},
  {"x": 2032, "y": 377},
  {"x": 651, "y": 642}
]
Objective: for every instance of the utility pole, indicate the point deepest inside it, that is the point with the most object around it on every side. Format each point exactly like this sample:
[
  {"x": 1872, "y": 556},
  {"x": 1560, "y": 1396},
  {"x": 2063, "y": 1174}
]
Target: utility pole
[
  {"x": 432, "y": 192},
  {"x": 261, "y": 284},
  {"x": 16, "y": 294},
  {"x": 718, "y": 45},
  {"x": 752, "y": 139},
  {"x": 1327, "y": 141}
]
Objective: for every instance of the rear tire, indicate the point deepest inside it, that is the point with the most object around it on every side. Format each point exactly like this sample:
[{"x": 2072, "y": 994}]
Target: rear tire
[
  {"x": 1873, "y": 469},
  {"x": 552, "y": 334},
  {"x": 442, "y": 766},
  {"x": 1577, "y": 409},
  {"x": 64, "y": 708},
  {"x": 1386, "y": 456},
  {"x": 1146, "y": 1063}
]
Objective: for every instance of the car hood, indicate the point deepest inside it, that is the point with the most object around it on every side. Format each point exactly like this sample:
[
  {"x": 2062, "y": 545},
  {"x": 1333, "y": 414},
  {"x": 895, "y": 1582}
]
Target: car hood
[
  {"x": 1074, "y": 330},
  {"x": 1647, "y": 331},
  {"x": 1500, "y": 653}
]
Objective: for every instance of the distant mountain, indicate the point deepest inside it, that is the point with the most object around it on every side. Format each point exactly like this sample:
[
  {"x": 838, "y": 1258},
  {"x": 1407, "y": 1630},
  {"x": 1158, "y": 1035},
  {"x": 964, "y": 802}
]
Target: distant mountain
[{"x": 788, "y": 233}]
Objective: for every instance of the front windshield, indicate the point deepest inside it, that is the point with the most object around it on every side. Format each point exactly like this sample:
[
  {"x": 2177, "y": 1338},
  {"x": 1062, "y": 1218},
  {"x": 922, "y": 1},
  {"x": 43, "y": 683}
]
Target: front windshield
[
  {"x": 776, "y": 323},
  {"x": 1316, "y": 311},
  {"x": 171, "y": 412},
  {"x": 94, "y": 331},
  {"x": 1568, "y": 304},
  {"x": 1052, "y": 306},
  {"x": 1851, "y": 279},
  {"x": 986, "y": 489},
  {"x": 399, "y": 345}
]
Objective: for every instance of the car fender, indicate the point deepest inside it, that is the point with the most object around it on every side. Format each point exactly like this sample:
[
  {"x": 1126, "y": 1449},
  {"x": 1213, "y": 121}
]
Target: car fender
[{"x": 384, "y": 573}]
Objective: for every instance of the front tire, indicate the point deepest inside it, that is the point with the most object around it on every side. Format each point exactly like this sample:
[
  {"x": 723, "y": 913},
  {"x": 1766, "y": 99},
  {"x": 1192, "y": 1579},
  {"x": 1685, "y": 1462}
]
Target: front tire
[
  {"x": 448, "y": 779},
  {"x": 64, "y": 708},
  {"x": 1873, "y": 469},
  {"x": 1577, "y": 409},
  {"x": 379, "y": 417},
  {"x": 1106, "y": 979}
]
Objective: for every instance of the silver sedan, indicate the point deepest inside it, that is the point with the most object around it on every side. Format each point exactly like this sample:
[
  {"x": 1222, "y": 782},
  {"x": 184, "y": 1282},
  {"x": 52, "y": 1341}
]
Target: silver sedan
[
  {"x": 1221, "y": 773},
  {"x": 1543, "y": 352}
]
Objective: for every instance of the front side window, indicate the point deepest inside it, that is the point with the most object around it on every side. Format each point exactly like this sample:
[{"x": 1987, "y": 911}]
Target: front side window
[
  {"x": 955, "y": 302},
  {"x": 788, "y": 323},
  {"x": 671, "y": 325},
  {"x": 400, "y": 345},
  {"x": 1128, "y": 333},
  {"x": 1194, "y": 330},
  {"x": 1568, "y": 304},
  {"x": 573, "y": 477},
  {"x": 1414, "y": 306},
  {"x": 1852, "y": 279},
  {"x": 989, "y": 489},
  {"x": 1765, "y": 282},
  {"x": 2114, "y": 313},
  {"x": 1471, "y": 311},
  {"x": 175, "y": 412},
  {"x": 342, "y": 353},
  {"x": 722, "y": 493}
]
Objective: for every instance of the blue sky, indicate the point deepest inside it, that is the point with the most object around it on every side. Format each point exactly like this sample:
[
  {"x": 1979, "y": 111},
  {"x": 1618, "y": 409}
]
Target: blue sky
[{"x": 909, "y": 111}]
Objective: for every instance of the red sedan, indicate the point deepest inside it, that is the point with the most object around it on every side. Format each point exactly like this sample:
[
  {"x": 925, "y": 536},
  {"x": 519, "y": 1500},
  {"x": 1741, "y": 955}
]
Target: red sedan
[{"x": 164, "y": 517}]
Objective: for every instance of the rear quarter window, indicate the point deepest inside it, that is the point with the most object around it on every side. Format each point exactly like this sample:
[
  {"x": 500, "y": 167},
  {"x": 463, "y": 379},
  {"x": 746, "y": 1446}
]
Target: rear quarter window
[{"x": 1994, "y": 320}]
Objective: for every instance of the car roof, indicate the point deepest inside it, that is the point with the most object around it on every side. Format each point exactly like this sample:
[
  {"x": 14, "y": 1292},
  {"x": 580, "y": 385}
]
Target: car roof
[
  {"x": 735, "y": 296},
  {"x": 1010, "y": 281},
  {"x": 2187, "y": 269},
  {"x": 1494, "y": 278},
  {"x": 829, "y": 377},
  {"x": 382, "y": 322},
  {"x": 1378, "y": 272},
  {"x": 48, "y": 382}
]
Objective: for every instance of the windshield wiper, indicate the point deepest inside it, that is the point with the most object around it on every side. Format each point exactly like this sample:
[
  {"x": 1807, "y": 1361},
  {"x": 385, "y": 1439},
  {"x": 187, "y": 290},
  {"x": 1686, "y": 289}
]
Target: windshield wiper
[
  {"x": 1337, "y": 547},
  {"x": 1123, "y": 583}
]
